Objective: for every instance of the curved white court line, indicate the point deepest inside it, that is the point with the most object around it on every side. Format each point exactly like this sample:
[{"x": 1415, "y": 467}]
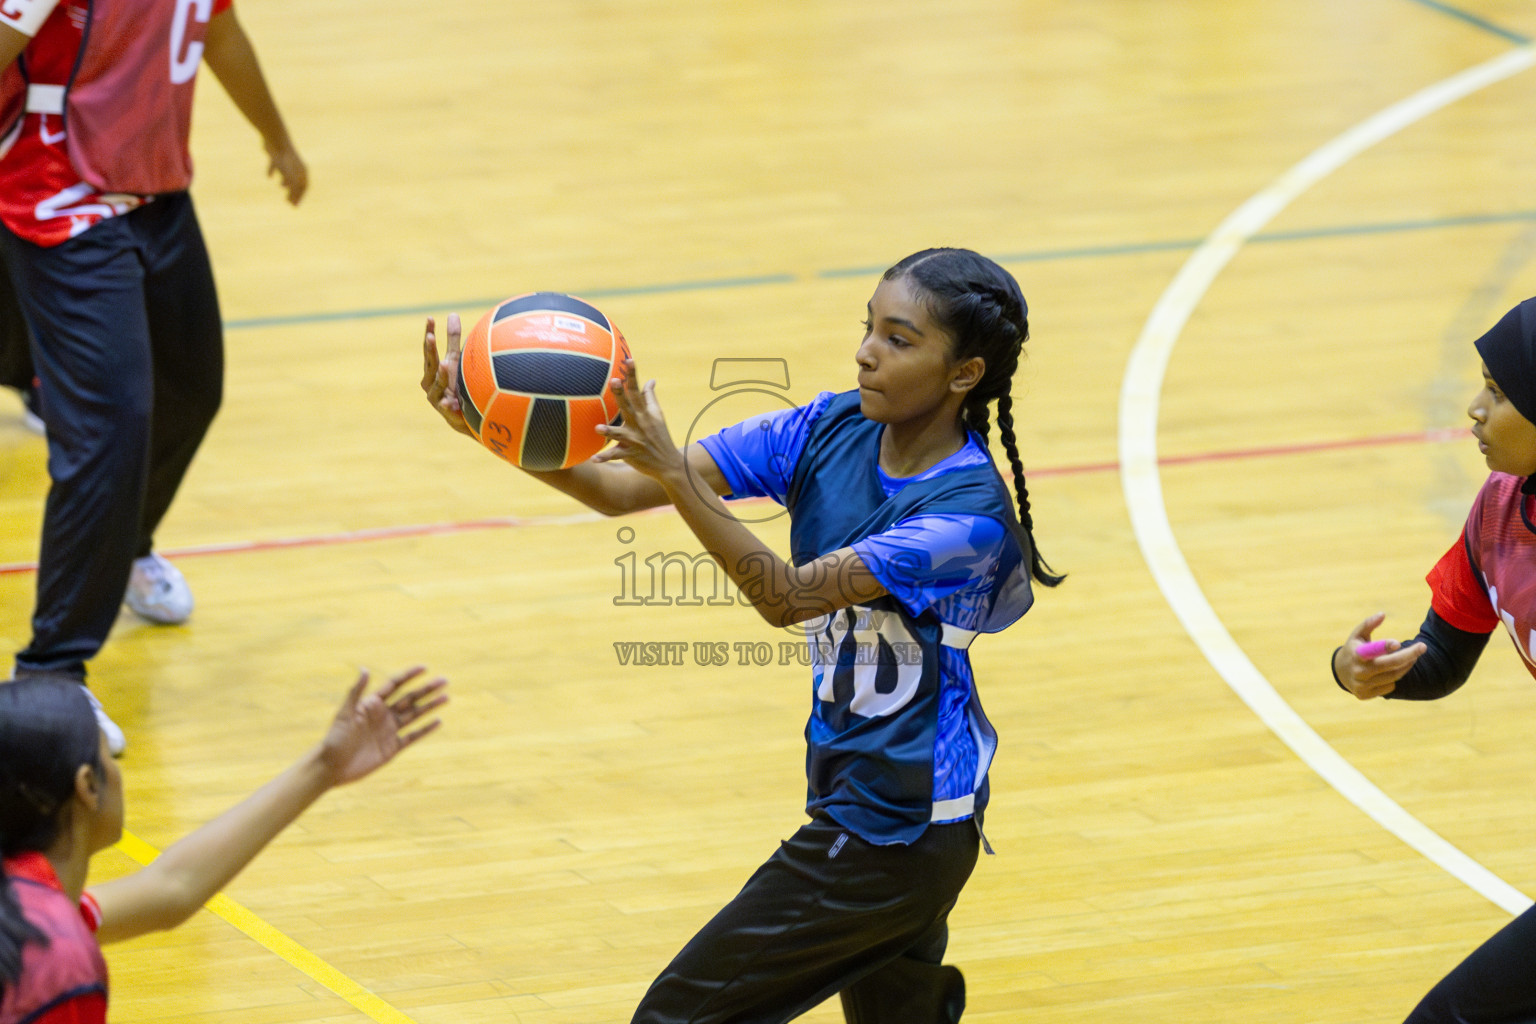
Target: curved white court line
[{"x": 1143, "y": 488}]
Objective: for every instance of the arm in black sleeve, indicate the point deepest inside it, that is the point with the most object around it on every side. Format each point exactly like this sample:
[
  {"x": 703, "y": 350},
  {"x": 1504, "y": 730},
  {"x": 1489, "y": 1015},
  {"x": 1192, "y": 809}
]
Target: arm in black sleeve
[{"x": 1445, "y": 664}]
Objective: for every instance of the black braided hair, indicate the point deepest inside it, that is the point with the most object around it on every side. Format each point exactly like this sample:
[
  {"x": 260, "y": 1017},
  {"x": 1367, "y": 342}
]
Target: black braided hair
[
  {"x": 980, "y": 306},
  {"x": 47, "y": 731}
]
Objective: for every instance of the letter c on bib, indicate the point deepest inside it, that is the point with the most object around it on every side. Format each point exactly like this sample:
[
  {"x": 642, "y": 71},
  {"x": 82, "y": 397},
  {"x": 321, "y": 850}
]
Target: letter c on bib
[{"x": 185, "y": 57}]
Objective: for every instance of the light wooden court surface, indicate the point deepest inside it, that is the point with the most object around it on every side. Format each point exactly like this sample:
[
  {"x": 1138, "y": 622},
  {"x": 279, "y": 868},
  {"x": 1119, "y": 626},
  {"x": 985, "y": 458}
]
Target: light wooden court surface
[{"x": 726, "y": 180}]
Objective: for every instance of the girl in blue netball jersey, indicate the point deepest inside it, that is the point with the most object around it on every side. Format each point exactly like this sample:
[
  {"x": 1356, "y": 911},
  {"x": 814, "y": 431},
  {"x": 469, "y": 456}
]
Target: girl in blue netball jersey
[{"x": 905, "y": 546}]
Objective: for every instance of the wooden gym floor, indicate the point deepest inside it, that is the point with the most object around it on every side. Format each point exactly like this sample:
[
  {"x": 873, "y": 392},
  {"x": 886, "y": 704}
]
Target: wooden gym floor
[{"x": 727, "y": 180}]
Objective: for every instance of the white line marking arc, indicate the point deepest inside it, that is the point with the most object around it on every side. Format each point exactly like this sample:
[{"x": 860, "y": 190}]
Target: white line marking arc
[{"x": 1140, "y": 480}]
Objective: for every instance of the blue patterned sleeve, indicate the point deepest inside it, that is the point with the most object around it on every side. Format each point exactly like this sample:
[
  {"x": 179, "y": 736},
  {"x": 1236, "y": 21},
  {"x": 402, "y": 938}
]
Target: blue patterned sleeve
[
  {"x": 934, "y": 560},
  {"x": 757, "y": 456}
]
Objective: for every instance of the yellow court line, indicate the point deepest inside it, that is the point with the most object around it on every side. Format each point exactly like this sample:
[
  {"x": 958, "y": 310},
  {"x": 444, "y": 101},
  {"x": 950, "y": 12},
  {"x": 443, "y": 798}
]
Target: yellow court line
[{"x": 274, "y": 940}]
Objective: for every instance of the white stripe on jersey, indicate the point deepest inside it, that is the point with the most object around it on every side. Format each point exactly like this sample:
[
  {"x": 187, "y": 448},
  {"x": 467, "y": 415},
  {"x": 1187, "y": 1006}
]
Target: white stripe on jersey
[
  {"x": 26, "y": 16},
  {"x": 954, "y": 810}
]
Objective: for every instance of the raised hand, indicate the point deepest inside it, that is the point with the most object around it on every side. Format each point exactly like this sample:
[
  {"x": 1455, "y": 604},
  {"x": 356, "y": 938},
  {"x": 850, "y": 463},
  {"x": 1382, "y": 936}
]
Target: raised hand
[
  {"x": 642, "y": 438},
  {"x": 1368, "y": 677},
  {"x": 370, "y": 728},
  {"x": 439, "y": 377}
]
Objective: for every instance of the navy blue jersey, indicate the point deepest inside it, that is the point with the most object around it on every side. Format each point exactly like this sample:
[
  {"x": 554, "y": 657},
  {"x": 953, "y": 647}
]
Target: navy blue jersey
[{"x": 897, "y": 738}]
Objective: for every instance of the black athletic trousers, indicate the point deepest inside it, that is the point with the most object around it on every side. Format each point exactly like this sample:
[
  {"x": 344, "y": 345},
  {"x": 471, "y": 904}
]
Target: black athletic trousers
[
  {"x": 1495, "y": 985},
  {"x": 828, "y": 913},
  {"x": 15, "y": 350},
  {"x": 129, "y": 348}
]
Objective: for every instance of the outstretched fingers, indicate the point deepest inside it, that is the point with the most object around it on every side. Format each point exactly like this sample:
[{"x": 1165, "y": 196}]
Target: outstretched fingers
[
  {"x": 421, "y": 700},
  {"x": 637, "y": 402},
  {"x": 1362, "y": 633},
  {"x": 355, "y": 694},
  {"x": 435, "y": 370},
  {"x": 624, "y": 388},
  {"x": 623, "y": 434},
  {"x": 406, "y": 739},
  {"x": 439, "y": 375},
  {"x": 648, "y": 396},
  {"x": 399, "y": 679},
  {"x": 429, "y": 359}
]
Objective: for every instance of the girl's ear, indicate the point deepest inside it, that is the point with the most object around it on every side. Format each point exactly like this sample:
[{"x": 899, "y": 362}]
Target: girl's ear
[
  {"x": 968, "y": 374},
  {"x": 87, "y": 787}
]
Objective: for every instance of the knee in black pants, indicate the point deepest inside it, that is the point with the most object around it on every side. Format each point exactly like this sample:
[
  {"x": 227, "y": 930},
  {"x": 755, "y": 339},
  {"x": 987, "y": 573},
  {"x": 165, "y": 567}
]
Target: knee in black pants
[
  {"x": 1494, "y": 985},
  {"x": 907, "y": 991}
]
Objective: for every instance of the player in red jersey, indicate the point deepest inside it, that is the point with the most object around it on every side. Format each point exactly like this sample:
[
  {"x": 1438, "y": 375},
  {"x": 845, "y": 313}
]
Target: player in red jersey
[
  {"x": 102, "y": 245},
  {"x": 61, "y": 800},
  {"x": 1485, "y": 579}
]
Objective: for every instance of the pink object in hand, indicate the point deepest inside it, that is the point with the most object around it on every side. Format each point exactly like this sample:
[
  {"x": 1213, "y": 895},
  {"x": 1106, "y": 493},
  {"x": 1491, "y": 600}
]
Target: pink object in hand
[{"x": 1372, "y": 649}]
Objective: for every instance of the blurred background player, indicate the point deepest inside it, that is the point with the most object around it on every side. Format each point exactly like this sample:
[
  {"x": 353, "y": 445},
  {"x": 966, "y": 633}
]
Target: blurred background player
[
  {"x": 1485, "y": 578},
  {"x": 102, "y": 245},
  {"x": 61, "y": 800}
]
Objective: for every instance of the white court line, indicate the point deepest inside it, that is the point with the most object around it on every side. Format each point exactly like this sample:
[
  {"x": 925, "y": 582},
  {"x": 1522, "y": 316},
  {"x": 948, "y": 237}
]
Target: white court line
[{"x": 1143, "y": 488}]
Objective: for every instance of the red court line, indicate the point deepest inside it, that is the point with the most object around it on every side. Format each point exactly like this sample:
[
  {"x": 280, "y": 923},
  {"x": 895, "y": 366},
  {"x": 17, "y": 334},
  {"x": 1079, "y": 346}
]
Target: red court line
[{"x": 1436, "y": 436}]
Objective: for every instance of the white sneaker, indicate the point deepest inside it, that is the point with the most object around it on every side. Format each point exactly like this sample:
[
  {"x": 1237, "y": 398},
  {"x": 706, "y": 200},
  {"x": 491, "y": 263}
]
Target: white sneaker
[
  {"x": 158, "y": 592},
  {"x": 116, "y": 741}
]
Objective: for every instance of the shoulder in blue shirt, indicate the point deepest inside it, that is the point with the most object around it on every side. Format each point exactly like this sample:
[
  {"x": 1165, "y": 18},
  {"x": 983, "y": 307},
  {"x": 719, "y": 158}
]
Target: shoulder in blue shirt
[
  {"x": 941, "y": 561},
  {"x": 757, "y": 456}
]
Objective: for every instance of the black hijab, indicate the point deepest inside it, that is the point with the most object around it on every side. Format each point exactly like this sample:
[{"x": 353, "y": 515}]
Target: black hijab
[{"x": 1509, "y": 352}]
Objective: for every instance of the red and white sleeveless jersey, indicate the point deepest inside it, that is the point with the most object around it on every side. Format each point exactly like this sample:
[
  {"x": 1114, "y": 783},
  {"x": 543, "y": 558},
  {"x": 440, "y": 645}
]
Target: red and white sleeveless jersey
[
  {"x": 1489, "y": 575},
  {"x": 44, "y": 198},
  {"x": 63, "y": 979}
]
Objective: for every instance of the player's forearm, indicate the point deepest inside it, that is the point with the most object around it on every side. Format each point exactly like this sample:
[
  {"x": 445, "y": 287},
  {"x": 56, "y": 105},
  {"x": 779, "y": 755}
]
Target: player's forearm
[
  {"x": 782, "y": 593},
  {"x": 610, "y": 488},
  {"x": 192, "y": 870},
  {"x": 1447, "y": 661},
  {"x": 232, "y": 59}
]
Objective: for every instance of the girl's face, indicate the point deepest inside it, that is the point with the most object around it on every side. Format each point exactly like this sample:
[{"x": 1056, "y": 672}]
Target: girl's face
[
  {"x": 905, "y": 369},
  {"x": 1506, "y": 438}
]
